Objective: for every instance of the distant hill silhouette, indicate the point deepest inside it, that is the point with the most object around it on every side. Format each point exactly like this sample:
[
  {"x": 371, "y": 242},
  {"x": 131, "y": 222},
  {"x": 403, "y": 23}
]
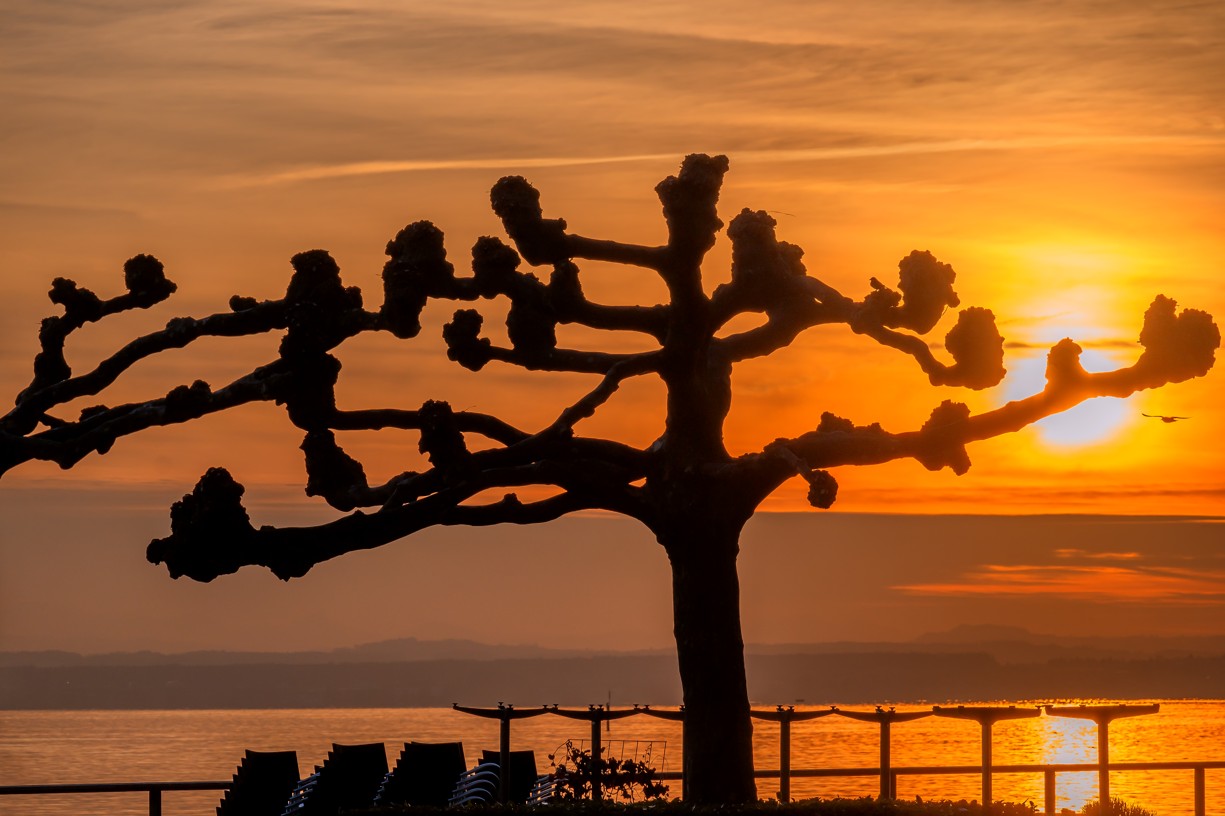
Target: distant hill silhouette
[
  {"x": 816, "y": 679},
  {"x": 399, "y": 650},
  {"x": 966, "y": 663},
  {"x": 1007, "y": 644}
]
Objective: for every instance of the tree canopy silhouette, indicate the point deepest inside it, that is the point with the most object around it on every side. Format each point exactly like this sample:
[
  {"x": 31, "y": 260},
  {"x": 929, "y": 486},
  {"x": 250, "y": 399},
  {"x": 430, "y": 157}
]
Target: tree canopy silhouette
[{"x": 685, "y": 487}]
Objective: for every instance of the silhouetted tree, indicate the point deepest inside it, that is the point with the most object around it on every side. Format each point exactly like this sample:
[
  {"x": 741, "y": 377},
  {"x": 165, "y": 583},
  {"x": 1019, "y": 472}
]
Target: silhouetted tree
[{"x": 684, "y": 487}]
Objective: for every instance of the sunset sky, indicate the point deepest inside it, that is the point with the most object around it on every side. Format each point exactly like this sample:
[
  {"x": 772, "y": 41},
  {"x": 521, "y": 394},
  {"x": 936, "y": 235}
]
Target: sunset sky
[{"x": 1068, "y": 159}]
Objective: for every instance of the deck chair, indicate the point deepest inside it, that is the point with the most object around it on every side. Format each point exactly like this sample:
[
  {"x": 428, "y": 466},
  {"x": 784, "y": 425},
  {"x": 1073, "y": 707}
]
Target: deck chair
[
  {"x": 425, "y": 774},
  {"x": 522, "y": 773},
  {"x": 477, "y": 786},
  {"x": 262, "y": 784},
  {"x": 348, "y": 778},
  {"x": 543, "y": 791}
]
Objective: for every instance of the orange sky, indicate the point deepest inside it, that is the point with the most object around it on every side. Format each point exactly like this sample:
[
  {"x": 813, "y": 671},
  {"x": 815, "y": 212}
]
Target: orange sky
[{"x": 1067, "y": 159}]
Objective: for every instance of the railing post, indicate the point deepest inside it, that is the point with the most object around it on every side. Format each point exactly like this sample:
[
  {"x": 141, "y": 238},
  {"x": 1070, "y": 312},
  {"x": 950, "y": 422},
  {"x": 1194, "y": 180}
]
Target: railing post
[
  {"x": 597, "y": 790},
  {"x": 503, "y": 759},
  {"x": 1200, "y": 789},
  {"x": 892, "y": 784},
  {"x": 504, "y": 713},
  {"x": 986, "y": 757},
  {"x": 885, "y": 764},
  {"x": 784, "y": 759},
  {"x": 1048, "y": 785},
  {"x": 1103, "y": 766},
  {"x": 155, "y": 802},
  {"x": 886, "y": 720},
  {"x": 986, "y": 716},
  {"x": 1102, "y": 715},
  {"x": 784, "y": 716}
]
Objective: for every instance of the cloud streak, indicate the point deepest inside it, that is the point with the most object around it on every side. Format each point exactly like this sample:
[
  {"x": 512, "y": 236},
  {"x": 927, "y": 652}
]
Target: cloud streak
[
  {"x": 1093, "y": 583},
  {"x": 371, "y": 168},
  {"x": 1075, "y": 552}
]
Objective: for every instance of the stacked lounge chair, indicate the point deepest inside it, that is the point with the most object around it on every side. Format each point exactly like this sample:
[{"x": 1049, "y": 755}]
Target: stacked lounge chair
[
  {"x": 350, "y": 777},
  {"x": 425, "y": 774},
  {"x": 522, "y": 773},
  {"x": 476, "y": 786},
  {"x": 262, "y": 784}
]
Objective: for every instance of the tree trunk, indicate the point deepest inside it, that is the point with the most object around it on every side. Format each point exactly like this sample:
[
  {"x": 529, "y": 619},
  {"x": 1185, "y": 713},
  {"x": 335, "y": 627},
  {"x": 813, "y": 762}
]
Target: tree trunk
[{"x": 718, "y": 735}]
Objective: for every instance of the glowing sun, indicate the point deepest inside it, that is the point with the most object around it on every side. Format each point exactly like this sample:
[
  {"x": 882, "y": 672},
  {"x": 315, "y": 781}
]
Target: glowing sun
[{"x": 1089, "y": 423}]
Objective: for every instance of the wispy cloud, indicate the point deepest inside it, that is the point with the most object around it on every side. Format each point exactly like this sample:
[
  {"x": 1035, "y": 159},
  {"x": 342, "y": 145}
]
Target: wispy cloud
[
  {"x": 370, "y": 168},
  {"x": 994, "y": 500},
  {"x": 1098, "y": 343},
  {"x": 1075, "y": 552},
  {"x": 1090, "y": 582}
]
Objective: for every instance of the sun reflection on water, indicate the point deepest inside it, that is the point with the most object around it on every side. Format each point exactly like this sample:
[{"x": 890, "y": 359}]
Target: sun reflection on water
[{"x": 1063, "y": 740}]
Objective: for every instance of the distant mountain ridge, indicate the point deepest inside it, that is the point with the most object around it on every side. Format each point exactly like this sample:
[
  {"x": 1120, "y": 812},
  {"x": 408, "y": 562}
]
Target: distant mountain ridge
[
  {"x": 398, "y": 650},
  {"x": 814, "y": 679},
  {"x": 1006, "y": 644}
]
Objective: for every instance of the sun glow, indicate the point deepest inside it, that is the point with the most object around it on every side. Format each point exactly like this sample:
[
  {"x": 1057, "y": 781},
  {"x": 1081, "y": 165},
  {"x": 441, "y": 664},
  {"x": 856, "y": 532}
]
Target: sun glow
[
  {"x": 1084, "y": 313},
  {"x": 1092, "y": 422}
]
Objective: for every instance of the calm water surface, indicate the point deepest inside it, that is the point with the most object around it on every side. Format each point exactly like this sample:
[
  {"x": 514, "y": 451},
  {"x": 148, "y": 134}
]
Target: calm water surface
[{"x": 45, "y": 747}]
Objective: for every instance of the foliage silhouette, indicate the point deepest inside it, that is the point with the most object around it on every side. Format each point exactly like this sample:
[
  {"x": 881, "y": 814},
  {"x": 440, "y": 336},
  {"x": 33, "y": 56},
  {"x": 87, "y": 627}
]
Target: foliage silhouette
[
  {"x": 576, "y": 768},
  {"x": 685, "y": 487}
]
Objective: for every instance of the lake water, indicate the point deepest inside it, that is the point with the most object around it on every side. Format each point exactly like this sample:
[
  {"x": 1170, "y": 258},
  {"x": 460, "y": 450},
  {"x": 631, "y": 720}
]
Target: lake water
[{"x": 47, "y": 747}]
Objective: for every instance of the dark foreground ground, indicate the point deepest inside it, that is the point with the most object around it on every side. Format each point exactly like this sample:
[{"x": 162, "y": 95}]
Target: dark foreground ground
[{"x": 808, "y": 807}]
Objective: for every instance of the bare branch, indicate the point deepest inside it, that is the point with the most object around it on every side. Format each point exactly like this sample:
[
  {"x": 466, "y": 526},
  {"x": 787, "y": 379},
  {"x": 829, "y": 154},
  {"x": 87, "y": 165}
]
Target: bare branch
[
  {"x": 571, "y": 306},
  {"x": 592, "y": 249},
  {"x": 975, "y": 343},
  {"x": 178, "y": 333},
  {"x": 376, "y": 419},
  {"x": 147, "y": 285},
  {"x": 211, "y": 533},
  {"x": 617, "y": 374},
  {"x": 768, "y": 276},
  {"x": 1177, "y": 347},
  {"x": 552, "y": 456},
  {"x": 545, "y": 241},
  {"x": 779, "y": 331},
  {"x": 466, "y": 347},
  {"x": 98, "y": 428}
]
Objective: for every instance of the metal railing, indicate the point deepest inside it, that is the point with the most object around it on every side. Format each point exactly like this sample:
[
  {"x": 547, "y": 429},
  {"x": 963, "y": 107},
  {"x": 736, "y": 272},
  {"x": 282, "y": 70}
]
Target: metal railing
[
  {"x": 986, "y": 716},
  {"x": 1048, "y": 772},
  {"x": 154, "y": 789}
]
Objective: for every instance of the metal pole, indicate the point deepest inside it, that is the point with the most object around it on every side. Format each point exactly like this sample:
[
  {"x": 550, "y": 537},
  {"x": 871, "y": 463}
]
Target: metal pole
[
  {"x": 986, "y": 754},
  {"x": 597, "y": 792},
  {"x": 885, "y": 767},
  {"x": 784, "y": 759},
  {"x": 1103, "y": 760},
  {"x": 1048, "y": 779},
  {"x": 155, "y": 802},
  {"x": 504, "y": 759},
  {"x": 1200, "y": 798}
]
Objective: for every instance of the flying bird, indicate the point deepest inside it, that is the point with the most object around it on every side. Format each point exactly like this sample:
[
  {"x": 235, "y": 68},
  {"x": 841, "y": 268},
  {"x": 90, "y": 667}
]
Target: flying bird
[{"x": 1164, "y": 418}]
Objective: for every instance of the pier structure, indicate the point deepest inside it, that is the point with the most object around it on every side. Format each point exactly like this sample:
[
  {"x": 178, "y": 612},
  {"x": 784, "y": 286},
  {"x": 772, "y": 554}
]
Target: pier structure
[
  {"x": 986, "y": 717},
  {"x": 597, "y": 715},
  {"x": 784, "y": 716},
  {"x": 504, "y": 714},
  {"x": 1103, "y": 715}
]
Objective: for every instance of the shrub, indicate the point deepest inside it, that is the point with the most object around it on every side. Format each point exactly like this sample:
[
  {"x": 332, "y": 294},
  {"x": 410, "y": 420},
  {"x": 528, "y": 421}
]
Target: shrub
[
  {"x": 1117, "y": 808},
  {"x": 576, "y": 769}
]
